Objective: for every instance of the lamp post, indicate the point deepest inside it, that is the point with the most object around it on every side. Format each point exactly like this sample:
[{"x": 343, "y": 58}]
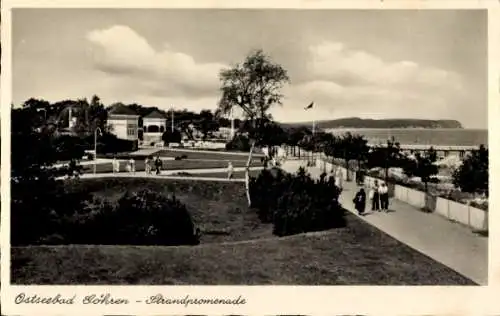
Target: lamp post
[{"x": 95, "y": 146}]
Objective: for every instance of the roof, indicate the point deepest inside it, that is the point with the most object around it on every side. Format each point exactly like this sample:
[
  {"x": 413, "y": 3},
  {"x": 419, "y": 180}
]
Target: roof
[
  {"x": 155, "y": 114},
  {"x": 120, "y": 109}
]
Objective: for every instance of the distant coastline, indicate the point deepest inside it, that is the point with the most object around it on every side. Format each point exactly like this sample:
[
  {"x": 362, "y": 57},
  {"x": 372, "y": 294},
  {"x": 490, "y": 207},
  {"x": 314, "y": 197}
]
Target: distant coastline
[
  {"x": 420, "y": 136},
  {"x": 403, "y": 123}
]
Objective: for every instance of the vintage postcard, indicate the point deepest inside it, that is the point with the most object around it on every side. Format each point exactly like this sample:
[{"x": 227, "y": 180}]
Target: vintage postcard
[{"x": 249, "y": 157}]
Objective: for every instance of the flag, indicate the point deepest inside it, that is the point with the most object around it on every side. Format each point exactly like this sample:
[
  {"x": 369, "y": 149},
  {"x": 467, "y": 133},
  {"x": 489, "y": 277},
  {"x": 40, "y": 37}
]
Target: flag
[{"x": 309, "y": 106}]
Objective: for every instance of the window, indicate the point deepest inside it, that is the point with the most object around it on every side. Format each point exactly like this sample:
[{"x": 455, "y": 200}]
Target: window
[{"x": 131, "y": 130}]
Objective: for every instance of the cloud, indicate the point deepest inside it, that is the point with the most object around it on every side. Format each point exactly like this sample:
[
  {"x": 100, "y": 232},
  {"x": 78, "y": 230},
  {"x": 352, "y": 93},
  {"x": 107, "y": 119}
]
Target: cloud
[
  {"x": 340, "y": 80},
  {"x": 347, "y": 82},
  {"x": 335, "y": 62},
  {"x": 121, "y": 52}
]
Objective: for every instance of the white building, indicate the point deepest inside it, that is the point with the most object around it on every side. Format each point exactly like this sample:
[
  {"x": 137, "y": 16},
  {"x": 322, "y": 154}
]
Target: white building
[
  {"x": 124, "y": 122},
  {"x": 154, "y": 125}
]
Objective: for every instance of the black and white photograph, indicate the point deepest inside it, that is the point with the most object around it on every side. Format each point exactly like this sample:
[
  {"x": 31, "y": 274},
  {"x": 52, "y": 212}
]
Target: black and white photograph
[{"x": 249, "y": 147}]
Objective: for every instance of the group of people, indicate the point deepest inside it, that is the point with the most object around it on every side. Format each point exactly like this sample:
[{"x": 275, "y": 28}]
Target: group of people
[
  {"x": 379, "y": 196},
  {"x": 149, "y": 163}
]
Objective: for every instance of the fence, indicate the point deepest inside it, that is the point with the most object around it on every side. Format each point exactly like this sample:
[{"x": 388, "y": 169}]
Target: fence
[{"x": 472, "y": 217}]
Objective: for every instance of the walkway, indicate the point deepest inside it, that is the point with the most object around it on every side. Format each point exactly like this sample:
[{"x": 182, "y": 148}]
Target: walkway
[
  {"x": 449, "y": 243},
  {"x": 170, "y": 174}
]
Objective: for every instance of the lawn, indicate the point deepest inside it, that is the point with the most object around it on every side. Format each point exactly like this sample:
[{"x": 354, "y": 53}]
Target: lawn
[
  {"x": 357, "y": 255},
  {"x": 208, "y": 155},
  {"x": 223, "y": 175},
  {"x": 236, "y": 248},
  {"x": 172, "y": 165},
  {"x": 219, "y": 209}
]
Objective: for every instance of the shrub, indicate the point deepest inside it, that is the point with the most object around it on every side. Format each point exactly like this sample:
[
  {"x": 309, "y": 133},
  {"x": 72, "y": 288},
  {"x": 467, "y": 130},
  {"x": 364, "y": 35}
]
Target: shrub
[
  {"x": 265, "y": 190},
  {"x": 143, "y": 218},
  {"x": 296, "y": 203},
  {"x": 239, "y": 142},
  {"x": 109, "y": 143}
]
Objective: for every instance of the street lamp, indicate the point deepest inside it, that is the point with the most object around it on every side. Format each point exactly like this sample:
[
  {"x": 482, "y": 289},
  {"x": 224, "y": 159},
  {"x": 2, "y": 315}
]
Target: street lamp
[{"x": 95, "y": 147}]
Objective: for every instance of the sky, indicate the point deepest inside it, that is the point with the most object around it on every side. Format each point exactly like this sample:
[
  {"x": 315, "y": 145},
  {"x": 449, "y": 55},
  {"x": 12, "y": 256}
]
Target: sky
[{"x": 429, "y": 64}]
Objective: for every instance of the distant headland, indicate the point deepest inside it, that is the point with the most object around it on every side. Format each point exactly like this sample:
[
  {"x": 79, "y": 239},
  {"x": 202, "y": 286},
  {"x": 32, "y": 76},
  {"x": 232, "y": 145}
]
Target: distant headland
[{"x": 356, "y": 122}]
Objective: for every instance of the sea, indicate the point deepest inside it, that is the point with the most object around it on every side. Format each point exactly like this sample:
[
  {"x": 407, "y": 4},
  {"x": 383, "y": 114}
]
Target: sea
[{"x": 420, "y": 136}]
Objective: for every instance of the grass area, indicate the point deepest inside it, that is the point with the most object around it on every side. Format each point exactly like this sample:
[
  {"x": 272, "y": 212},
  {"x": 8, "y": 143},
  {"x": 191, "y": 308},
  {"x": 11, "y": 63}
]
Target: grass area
[
  {"x": 223, "y": 175},
  {"x": 219, "y": 209},
  {"x": 171, "y": 165},
  {"x": 357, "y": 255},
  {"x": 209, "y": 155}
]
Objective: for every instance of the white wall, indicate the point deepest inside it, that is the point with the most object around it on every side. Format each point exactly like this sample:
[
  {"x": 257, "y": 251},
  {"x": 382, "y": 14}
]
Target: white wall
[{"x": 120, "y": 127}]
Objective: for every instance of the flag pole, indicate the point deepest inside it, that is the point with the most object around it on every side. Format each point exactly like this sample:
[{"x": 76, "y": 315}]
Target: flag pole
[{"x": 172, "y": 120}]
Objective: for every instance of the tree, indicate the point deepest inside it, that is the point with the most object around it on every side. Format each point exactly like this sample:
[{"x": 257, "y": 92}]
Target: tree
[
  {"x": 97, "y": 114},
  {"x": 207, "y": 123},
  {"x": 350, "y": 147},
  {"x": 254, "y": 86},
  {"x": 472, "y": 176},
  {"x": 35, "y": 193},
  {"x": 386, "y": 157},
  {"x": 422, "y": 166},
  {"x": 296, "y": 135},
  {"x": 171, "y": 137}
]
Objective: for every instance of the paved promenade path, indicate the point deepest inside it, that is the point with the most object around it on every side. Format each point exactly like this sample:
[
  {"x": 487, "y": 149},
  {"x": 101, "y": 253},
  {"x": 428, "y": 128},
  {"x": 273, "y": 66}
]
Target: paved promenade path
[
  {"x": 449, "y": 243},
  {"x": 170, "y": 174}
]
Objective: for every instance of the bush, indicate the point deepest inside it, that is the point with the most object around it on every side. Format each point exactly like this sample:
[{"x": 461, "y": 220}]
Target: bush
[
  {"x": 109, "y": 143},
  {"x": 265, "y": 190},
  {"x": 239, "y": 142},
  {"x": 143, "y": 218},
  {"x": 73, "y": 217},
  {"x": 296, "y": 203}
]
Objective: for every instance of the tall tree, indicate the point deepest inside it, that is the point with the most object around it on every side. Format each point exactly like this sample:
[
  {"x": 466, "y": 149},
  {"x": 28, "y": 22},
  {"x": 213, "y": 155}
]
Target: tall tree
[
  {"x": 207, "y": 123},
  {"x": 386, "y": 157},
  {"x": 472, "y": 175},
  {"x": 254, "y": 86},
  {"x": 422, "y": 166}
]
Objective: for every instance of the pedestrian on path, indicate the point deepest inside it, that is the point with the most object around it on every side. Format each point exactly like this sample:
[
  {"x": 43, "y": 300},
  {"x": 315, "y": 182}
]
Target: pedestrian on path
[
  {"x": 360, "y": 201},
  {"x": 158, "y": 165},
  {"x": 339, "y": 179},
  {"x": 147, "y": 166},
  {"x": 230, "y": 170},
  {"x": 375, "y": 197},
  {"x": 384, "y": 197},
  {"x": 131, "y": 165},
  {"x": 116, "y": 165}
]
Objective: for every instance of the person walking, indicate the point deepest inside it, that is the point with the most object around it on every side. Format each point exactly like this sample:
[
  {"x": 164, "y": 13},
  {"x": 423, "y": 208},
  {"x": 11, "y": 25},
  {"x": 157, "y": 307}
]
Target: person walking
[
  {"x": 339, "y": 179},
  {"x": 116, "y": 165},
  {"x": 360, "y": 201},
  {"x": 147, "y": 167},
  {"x": 230, "y": 170},
  {"x": 384, "y": 197},
  {"x": 375, "y": 197},
  {"x": 158, "y": 165},
  {"x": 131, "y": 163}
]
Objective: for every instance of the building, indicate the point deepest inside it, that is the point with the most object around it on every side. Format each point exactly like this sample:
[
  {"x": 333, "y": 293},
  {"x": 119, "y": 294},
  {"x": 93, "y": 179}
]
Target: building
[
  {"x": 441, "y": 150},
  {"x": 154, "y": 125},
  {"x": 123, "y": 122}
]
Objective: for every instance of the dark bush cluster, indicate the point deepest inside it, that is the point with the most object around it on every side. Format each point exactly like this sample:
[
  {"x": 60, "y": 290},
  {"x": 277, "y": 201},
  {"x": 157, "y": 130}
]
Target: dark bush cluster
[
  {"x": 296, "y": 203},
  {"x": 109, "y": 143},
  {"x": 180, "y": 157},
  {"x": 239, "y": 142},
  {"x": 140, "y": 218}
]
